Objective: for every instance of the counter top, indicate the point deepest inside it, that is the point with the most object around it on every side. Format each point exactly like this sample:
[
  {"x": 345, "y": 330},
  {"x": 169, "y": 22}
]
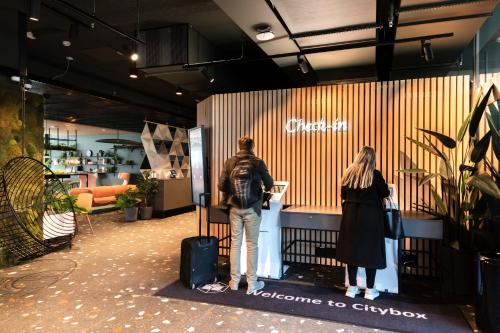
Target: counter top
[
  {"x": 406, "y": 214},
  {"x": 415, "y": 224}
]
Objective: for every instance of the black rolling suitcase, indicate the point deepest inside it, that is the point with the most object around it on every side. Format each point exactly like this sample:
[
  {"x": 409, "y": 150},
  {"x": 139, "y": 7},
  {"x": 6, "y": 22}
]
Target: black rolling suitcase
[{"x": 199, "y": 256}]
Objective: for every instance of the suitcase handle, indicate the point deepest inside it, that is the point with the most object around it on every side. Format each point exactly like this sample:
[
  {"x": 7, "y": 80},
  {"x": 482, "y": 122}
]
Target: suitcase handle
[{"x": 207, "y": 200}]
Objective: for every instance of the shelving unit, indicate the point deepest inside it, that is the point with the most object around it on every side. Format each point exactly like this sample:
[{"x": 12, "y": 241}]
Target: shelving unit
[
  {"x": 62, "y": 144},
  {"x": 100, "y": 161}
]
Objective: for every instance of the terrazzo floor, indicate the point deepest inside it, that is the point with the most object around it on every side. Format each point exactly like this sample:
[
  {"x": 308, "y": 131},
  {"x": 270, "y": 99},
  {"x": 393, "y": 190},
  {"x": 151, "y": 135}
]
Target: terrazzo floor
[{"x": 106, "y": 282}]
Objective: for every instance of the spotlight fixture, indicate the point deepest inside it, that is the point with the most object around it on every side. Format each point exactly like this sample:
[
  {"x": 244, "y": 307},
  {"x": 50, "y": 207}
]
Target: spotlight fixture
[
  {"x": 206, "y": 74},
  {"x": 179, "y": 91},
  {"x": 302, "y": 62},
  {"x": 426, "y": 51},
  {"x": 34, "y": 10},
  {"x": 264, "y": 33},
  {"x": 27, "y": 82},
  {"x": 134, "y": 56},
  {"x": 30, "y": 35},
  {"x": 133, "y": 73},
  {"x": 73, "y": 31}
]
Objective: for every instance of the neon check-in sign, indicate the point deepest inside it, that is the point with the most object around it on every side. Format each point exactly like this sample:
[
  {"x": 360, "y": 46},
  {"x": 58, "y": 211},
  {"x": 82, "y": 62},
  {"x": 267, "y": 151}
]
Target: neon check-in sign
[{"x": 300, "y": 125}]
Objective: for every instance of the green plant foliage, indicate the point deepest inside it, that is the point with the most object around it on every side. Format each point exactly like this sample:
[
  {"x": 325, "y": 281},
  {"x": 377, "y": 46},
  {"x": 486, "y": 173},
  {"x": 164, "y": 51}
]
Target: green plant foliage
[
  {"x": 11, "y": 125},
  {"x": 477, "y": 114},
  {"x": 445, "y": 140},
  {"x": 480, "y": 148},
  {"x": 129, "y": 199},
  {"x": 485, "y": 184},
  {"x": 468, "y": 200},
  {"x": 463, "y": 129},
  {"x": 147, "y": 188}
]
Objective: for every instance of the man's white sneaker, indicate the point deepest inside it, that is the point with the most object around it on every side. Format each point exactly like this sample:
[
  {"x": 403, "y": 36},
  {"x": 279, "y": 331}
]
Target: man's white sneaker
[
  {"x": 257, "y": 286},
  {"x": 352, "y": 291},
  {"x": 371, "y": 293},
  {"x": 233, "y": 285}
]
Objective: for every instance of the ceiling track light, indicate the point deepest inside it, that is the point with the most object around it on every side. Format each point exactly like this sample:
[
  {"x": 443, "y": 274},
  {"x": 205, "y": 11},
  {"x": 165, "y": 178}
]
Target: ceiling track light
[
  {"x": 72, "y": 33},
  {"x": 134, "y": 56},
  {"x": 426, "y": 51},
  {"x": 302, "y": 62},
  {"x": 30, "y": 35},
  {"x": 27, "y": 82},
  {"x": 264, "y": 33},
  {"x": 179, "y": 91},
  {"x": 34, "y": 10},
  {"x": 133, "y": 73},
  {"x": 207, "y": 75}
]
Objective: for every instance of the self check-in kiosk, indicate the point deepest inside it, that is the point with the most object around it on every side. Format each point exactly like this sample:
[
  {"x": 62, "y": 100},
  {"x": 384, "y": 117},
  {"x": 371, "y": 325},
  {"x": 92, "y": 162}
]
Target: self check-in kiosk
[{"x": 270, "y": 259}]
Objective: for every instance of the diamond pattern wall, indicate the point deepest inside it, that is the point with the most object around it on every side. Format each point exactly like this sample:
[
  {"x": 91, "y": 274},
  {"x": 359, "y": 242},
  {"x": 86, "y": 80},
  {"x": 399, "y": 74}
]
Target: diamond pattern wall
[{"x": 166, "y": 150}]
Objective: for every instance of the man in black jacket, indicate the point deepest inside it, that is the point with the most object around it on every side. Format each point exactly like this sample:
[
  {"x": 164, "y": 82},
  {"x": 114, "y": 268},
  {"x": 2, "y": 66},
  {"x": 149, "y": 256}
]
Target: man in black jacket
[{"x": 241, "y": 182}]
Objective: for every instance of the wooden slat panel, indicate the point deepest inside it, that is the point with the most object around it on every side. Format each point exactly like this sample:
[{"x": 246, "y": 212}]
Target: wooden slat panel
[{"x": 380, "y": 114}]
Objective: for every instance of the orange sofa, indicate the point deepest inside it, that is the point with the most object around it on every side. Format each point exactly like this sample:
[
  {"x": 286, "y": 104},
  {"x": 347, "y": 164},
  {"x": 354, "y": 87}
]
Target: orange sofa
[{"x": 102, "y": 195}]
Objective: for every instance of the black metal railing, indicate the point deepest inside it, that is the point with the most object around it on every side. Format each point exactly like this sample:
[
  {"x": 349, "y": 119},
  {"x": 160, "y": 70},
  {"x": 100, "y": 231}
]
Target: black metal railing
[{"x": 418, "y": 257}]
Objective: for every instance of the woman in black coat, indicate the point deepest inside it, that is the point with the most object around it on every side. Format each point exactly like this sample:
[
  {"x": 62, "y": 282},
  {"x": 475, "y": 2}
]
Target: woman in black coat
[{"x": 361, "y": 241}]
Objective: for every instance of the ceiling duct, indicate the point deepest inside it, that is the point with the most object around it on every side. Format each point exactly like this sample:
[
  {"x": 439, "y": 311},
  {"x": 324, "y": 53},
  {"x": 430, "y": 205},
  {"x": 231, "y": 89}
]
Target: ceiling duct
[
  {"x": 173, "y": 46},
  {"x": 168, "y": 49}
]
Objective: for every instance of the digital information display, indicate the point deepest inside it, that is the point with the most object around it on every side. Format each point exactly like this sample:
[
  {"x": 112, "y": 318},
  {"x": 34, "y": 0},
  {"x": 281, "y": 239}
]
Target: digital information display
[{"x": 197, "y": 162}]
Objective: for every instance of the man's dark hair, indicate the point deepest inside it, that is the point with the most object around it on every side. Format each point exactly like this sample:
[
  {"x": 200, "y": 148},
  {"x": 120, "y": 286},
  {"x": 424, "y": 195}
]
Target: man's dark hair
[{"x": 246, "y": 143}]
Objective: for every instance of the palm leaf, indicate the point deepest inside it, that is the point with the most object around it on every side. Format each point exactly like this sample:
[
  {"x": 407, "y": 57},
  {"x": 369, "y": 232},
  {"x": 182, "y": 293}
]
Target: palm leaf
[
  {"x": 495, "y": 142},
  {"x": 478, "y": 113},
  {"x": 439, "y": 152},
  {"x": 445, "y": 140},
  {"x": 485, "y": 184},
  {"x": 496, "y": 92},
  {"x": 439, "y": 202},
  {"x": 465, "y": 167},
  {"x": 423, "y": 146},
  {"x": 463, "y": 129},
  {"x": 494, "y": 116},
  {"x": 427, "y": 178},
  {"x": 445, "y": 170},
  {"x": 480, "y": 148}
]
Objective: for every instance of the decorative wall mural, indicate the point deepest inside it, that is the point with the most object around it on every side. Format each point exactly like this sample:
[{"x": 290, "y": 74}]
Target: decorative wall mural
[
  {"x": 167, "y": 151},
  {"x": 11, "y": 125}
]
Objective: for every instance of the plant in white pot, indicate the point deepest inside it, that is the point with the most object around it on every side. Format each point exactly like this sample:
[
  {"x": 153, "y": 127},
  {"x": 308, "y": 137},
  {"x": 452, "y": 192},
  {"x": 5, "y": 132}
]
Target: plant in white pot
[
  {"x": 128, "y": 202},
  {"x": 147, "y": 188}
]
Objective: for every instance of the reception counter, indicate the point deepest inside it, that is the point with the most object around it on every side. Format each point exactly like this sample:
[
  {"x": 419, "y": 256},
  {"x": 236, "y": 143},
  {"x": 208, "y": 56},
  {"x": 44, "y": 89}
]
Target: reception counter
[
  {"x": 415, "y": 224},
  {"x": 309, "y": 236}
]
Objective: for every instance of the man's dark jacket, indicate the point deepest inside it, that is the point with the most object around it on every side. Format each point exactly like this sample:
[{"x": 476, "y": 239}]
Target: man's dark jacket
[{"x": 225, "y": 182}]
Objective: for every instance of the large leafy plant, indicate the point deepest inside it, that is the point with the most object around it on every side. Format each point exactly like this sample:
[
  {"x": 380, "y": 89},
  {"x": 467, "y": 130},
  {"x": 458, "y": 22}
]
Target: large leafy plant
[
  {"x": 128, "y": 199},
  {"x": 147, "y": 188},
  {"x": 469, "y": 196}
]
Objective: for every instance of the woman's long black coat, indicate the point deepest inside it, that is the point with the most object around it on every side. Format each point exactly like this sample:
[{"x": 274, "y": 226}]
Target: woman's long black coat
[{"x": 361, "y": 241}]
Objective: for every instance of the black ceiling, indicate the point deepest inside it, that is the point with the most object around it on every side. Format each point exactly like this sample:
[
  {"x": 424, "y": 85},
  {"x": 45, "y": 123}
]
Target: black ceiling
[
  {"x": 101, "y": 63},
  {"x": 74, "y": 106}
]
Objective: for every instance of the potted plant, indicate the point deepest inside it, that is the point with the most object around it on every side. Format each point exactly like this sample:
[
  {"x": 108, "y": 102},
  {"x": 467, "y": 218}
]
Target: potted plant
[
  {"x": 128, "y": 202},
  {"x": 466, "y": 190},
  {"x": 147, "y": 188}
]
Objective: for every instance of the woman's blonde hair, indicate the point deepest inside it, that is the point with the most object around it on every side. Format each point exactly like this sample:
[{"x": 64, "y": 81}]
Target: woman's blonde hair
[{"x": 360, "y": 173}]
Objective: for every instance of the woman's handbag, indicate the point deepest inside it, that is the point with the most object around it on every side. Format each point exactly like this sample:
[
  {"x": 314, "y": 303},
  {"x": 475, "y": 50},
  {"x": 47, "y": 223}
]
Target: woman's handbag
[{"x": 393, "y": 222}]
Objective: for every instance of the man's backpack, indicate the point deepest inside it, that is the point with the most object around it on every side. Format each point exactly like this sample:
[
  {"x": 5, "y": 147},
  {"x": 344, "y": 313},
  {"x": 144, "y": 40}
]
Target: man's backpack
[{"x": 245, "y": 183}]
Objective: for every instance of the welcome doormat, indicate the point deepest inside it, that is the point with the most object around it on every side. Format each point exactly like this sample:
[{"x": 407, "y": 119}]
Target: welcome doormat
[{"x": 330, "y": 304}]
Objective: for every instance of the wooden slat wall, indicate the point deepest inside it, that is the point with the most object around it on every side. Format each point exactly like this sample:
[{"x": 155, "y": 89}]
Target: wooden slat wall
[{"x": 379, "y": 114}]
